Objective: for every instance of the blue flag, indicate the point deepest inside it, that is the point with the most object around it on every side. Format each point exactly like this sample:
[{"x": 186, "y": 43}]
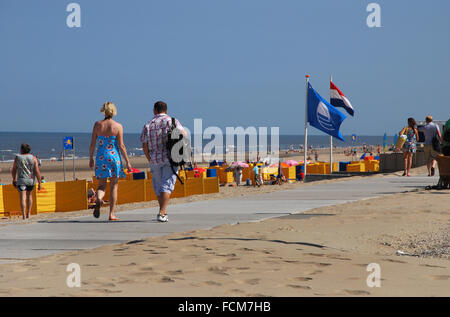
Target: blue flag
[
  {"x": 68, "y": 143},
  {"x": 324, "y": 116}
]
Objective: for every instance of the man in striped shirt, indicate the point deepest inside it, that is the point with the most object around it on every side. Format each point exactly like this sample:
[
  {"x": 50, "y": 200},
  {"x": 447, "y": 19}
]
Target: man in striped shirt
[{"x": 153, "y": 138}]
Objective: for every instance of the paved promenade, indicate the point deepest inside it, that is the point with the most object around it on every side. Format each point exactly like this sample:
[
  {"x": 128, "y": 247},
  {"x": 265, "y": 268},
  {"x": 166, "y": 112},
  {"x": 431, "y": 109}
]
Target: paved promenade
[{"x": 48, "y": 237}]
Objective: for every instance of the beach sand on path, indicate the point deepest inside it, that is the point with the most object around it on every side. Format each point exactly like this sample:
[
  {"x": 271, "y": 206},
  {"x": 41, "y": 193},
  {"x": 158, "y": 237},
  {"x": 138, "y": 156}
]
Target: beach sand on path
[{"x": 325, "y": 255}]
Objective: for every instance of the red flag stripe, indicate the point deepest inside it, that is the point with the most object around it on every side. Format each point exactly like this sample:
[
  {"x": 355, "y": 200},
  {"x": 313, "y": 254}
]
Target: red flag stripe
[{"x": 333, "y": 86}]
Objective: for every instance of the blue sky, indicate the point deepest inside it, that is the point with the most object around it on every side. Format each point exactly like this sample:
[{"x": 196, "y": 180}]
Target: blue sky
[{"x": 231, "y": 63}]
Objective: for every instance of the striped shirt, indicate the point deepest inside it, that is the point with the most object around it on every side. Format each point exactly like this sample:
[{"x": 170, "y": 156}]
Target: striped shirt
[{"x": 154, "y": 134}]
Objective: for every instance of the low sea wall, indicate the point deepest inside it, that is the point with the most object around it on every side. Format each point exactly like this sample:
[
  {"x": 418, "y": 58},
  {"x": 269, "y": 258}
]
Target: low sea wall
[{"x": 394, "y": 162}]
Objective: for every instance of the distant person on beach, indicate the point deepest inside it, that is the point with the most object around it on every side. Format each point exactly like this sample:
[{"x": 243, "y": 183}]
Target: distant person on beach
[
  {"x": 430, "y": 131},
  {"x": 410, "y": 146},
  {"x": 153, "y": 138},
  {"x": 237, "y": 175},
  {"x": 39, "y": 161},
  {"x": 42, "y": 179},
  {"x": 256, "y": 181},
  {"x": 280, "y": 176},
  {"x": 24, "y": 172},
  {"x": 108, "y": 135}
]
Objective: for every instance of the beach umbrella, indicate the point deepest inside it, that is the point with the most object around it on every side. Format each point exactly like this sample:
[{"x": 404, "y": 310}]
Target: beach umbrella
[
  {"x": 239, "y": 164},
  {"x": 291, "y": 163},
  {"x": 282, "y": 165}
]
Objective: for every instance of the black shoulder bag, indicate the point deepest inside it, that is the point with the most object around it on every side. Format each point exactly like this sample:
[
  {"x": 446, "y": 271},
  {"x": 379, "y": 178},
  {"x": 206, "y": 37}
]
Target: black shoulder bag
[{"x": 176, "y": 148}]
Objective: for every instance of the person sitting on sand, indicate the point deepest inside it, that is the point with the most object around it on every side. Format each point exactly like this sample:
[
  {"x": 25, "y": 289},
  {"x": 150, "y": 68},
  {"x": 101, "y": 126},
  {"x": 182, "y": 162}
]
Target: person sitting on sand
[
  {"x": 24, "y": 171},
  {"x": 108, "y": 135}
]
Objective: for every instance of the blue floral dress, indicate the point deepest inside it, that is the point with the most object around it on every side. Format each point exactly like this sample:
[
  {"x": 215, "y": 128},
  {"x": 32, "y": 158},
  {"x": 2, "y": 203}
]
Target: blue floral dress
[
  {"x": 108, "y": 162},
  {"x": 410, "y": 143}
]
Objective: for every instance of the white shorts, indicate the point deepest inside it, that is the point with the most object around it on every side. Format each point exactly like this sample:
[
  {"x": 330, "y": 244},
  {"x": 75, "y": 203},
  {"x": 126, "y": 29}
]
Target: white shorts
[{"x": 163, "y": 178}]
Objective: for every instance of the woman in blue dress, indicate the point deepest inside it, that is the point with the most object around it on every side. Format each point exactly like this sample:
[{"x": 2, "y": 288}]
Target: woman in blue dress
[
  {"x": 108, "y": 135},
  {"x": 410, "y": 146}
]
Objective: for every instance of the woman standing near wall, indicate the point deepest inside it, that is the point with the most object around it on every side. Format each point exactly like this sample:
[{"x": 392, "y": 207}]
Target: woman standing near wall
[{"x": 410, "y": 146}]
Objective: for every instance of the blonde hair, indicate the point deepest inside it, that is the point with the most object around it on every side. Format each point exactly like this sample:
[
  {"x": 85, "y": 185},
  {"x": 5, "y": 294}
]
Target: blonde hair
[{"x": 109, "y": 109}]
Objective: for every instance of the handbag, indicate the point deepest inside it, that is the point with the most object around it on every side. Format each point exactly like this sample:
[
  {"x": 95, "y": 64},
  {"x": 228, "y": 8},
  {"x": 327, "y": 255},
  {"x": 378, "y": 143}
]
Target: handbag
[{"x": 401, "y": 139}]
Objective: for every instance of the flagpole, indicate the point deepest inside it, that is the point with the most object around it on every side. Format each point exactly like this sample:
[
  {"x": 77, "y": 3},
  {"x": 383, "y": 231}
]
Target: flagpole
[
  {"x": 306, "y": 129},
  {"x": 331, "y": 139},
  {"x": 64, "y": 163},
  {"x": 73, "y": 161}
]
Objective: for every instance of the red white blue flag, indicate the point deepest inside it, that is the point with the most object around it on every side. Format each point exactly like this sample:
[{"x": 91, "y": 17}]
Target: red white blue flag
[{"x": 338, "y": 99}]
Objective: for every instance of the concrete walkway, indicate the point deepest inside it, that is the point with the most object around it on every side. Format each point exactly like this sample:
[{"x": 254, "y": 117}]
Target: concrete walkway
[{"x": 53, "y": 236}]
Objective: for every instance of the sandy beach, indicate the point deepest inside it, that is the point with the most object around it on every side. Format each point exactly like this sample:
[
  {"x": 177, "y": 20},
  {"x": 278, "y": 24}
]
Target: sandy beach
[
  {"x": 335, "y": 88},
  {"x": 319, "y": 256}
]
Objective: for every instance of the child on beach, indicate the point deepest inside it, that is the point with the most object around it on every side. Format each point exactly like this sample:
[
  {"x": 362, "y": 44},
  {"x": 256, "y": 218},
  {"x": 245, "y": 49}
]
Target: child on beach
[{"x": 92, "y": 198}]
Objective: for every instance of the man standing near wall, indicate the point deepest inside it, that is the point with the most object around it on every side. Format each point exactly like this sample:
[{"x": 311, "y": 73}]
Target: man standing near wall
[
  {"x": 430, "y": 130},
  {"x": 154, "y": 138}
]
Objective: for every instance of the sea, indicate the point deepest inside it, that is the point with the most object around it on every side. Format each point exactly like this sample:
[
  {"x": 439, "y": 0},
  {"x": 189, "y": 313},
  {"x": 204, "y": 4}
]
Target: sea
[{"x": 49, "y": 145}]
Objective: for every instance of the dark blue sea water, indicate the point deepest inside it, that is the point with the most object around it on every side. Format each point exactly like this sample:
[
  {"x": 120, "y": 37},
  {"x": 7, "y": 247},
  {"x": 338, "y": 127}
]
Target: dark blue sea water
[{"x": 49, "y": 144}]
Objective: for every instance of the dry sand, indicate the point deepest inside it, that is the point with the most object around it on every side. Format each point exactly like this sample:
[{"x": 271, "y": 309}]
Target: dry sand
[{"x": 320, "y": 256}]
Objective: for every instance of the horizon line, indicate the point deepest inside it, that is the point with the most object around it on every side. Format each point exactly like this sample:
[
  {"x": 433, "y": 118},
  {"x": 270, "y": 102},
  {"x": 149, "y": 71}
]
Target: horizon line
[{"x": 291, "y": 134}]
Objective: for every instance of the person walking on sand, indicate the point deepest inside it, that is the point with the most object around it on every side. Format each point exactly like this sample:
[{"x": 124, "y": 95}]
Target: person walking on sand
[
  {"x": 153, "y": 138},
  {"x": 430, "y": 131},
  {"x": 24, "y": 172},
  {"x": 108, "y": 135},
  {"x": 410, "y": 146}
]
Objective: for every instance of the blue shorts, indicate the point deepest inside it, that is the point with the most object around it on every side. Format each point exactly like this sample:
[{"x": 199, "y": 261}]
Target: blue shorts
[{"x": 163, "y": 178}]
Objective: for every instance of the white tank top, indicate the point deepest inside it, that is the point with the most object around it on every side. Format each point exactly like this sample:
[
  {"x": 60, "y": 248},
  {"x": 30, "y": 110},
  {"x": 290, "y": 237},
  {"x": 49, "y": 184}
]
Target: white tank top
[{"x": 25, "y": 169}]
